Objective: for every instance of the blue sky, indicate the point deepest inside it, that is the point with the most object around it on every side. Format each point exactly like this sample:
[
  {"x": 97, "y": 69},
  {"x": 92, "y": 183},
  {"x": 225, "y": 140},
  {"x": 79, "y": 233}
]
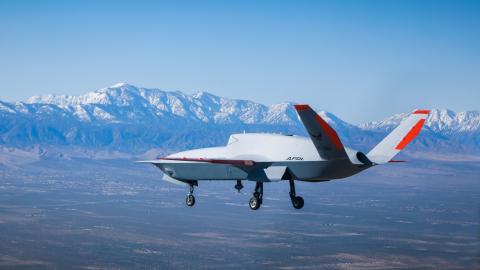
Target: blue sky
[{"x": 362, "y": 60}]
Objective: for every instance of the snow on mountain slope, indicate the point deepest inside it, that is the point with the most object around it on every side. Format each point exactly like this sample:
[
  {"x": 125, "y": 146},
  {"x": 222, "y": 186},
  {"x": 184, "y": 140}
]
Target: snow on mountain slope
[
  {"x": 145, "y": 104},
  {"x": 439, "y": 120},
  {"x": 127, "y": 118}
]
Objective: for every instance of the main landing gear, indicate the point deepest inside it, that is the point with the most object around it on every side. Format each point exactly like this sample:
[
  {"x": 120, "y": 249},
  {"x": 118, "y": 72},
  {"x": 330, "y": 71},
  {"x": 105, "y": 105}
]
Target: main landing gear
[
  {"x": 297, "y": 201},
  {"x": 257, "y": 198},
  {"x": 190, "y": 200}
]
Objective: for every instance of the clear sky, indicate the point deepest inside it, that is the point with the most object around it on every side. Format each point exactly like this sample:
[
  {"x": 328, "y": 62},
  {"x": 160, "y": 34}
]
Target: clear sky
[{"x": 361, "y": 60}]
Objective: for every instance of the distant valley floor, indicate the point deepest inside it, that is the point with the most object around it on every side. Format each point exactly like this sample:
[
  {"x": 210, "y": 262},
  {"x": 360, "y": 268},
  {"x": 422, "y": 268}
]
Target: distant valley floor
[{"x": 115, "y": 214}]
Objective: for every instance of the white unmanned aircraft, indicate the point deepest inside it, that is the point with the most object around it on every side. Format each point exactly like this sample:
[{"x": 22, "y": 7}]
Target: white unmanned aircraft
[{"x": 264, "y": 157}]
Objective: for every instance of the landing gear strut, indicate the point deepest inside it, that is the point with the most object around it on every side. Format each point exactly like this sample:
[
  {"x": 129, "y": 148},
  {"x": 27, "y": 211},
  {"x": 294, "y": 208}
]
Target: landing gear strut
[
  {"x": 297, "y": 201},
  {"x": 257, "y": 199},
  {"x": 190, "y": 200}
]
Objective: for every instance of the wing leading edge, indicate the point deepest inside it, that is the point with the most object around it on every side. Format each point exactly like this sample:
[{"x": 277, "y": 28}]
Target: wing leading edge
[{"x": 237, "y": 162}]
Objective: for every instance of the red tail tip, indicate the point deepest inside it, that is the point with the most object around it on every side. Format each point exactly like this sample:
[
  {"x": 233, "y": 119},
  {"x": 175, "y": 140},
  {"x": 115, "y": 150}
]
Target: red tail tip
[
  {"x": 301, "y": 107},
  {"x": 421, "y": 112}
]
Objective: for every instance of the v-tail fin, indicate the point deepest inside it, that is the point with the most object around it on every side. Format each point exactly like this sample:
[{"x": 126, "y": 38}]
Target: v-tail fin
[{"x": 400, "y": 137}]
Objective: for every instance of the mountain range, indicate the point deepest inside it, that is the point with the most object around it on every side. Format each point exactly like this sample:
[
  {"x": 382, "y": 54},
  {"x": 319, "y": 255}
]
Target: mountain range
[{"x": 128, "y": 121}]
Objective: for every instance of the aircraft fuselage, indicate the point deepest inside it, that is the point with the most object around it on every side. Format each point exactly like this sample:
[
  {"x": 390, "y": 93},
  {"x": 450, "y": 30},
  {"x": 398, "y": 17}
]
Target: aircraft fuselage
[{"x": 295, "y": 152}]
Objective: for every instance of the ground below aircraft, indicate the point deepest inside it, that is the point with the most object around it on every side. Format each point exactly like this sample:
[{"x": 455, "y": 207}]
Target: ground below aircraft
[{"x": 263, "y": 157}]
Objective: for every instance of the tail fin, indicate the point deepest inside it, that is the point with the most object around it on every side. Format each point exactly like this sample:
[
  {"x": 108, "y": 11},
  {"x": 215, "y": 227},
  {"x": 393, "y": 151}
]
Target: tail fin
[{"x": 398, "y": 138}]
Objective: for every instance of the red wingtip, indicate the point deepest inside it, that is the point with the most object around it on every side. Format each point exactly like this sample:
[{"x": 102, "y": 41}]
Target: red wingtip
[
  {"x": 421, "y": 112},
  {"x": 301, "y": 107}
]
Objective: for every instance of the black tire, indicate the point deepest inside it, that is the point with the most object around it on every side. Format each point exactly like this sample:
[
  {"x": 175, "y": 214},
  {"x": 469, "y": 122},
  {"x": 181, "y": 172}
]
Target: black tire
[
  {"x": 254, "y": 203},
  {"x": 190, "y": 200},
  {"x": 297, "y": 202}
]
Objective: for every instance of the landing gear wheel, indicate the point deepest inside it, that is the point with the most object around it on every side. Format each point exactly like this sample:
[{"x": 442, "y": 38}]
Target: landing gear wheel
[
  {"x": 254, "y": 203},
  {"x": 257, "y": 199},
  {"x": 297, "y": 202},
  {"x": 190, "y": 200},
  {"x": 259, "y": 196}
]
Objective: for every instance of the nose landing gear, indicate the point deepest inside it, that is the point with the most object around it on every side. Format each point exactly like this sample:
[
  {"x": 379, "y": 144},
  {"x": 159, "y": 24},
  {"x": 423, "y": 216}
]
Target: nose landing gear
[{"x": 190, "y": 200}]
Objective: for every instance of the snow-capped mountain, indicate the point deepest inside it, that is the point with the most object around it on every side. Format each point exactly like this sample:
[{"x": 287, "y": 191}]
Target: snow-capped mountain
[
  {"x": 133, "y": 119},
  {"x": 124, "y": 103},
  {"x": 439, "y": 120}
]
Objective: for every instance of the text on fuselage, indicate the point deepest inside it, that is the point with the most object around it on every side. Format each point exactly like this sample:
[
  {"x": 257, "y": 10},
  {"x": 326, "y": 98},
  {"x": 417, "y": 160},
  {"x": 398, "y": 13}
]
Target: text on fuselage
[{"x": 295, "y": 158}]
